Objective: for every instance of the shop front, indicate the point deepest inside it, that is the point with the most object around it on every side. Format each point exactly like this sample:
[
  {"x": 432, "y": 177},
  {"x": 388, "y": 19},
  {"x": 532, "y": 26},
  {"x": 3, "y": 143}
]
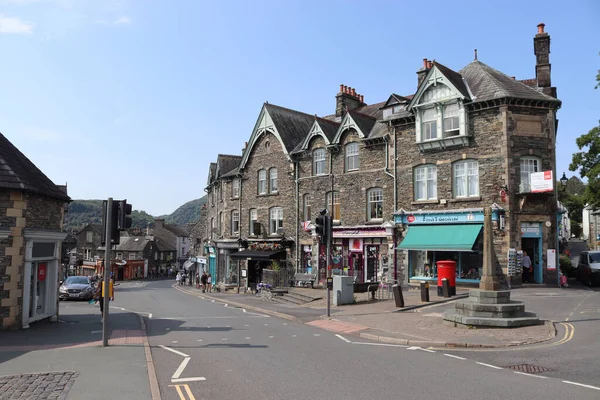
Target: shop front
[{"x": 432, "y": 236}]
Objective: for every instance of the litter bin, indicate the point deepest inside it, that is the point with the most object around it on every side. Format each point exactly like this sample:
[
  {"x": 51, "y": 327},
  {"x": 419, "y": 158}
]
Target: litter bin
[
  {"x": 398, "y": 297},
  {"x": 446, "y": 269}
]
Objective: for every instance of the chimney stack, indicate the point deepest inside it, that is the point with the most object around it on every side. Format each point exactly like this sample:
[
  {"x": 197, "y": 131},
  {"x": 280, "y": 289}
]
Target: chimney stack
[
  {"x": 347, "y": 99},
  {"x": 423, "y": 72},
  {"x": 541, "y": 49}
]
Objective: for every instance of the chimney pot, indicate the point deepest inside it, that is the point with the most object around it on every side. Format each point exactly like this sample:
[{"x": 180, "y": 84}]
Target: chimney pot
[
  {"x": 341, "y": 88},
  {"x": 362, "y": 98},
  {"x": 353, "y": 92},
  {"x": 541, "y": 28},
  {"x": 345, "y": 89},
  {"x": 425, "y": 63},
  {"x": 429, "y": 64},
  {"x": 475, "y": 54}
]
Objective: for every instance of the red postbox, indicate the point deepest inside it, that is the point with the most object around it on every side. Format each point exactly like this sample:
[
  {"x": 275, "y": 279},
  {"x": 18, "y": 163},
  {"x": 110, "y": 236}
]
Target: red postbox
[{"x": 446, "y": 269}]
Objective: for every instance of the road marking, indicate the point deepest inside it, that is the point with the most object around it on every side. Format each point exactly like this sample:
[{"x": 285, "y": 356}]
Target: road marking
[
  {"x": 293, "y": 335},
  {"x": 581, "y": 384},
  {"x": 189, "y": 392},
  {"x": 95, "y": 332},
  {"x": 150, "y": 315},
  {"x": 488, "y": 365},
  {"x": 224, "y": 338},
  {"x": 343, "y": 338},
  {"x": 247, "y": 337},
  {"x": 225, "y": 305},
  {"x": 413, "y": 348},
  {"x": 181, "y": 367},
  {"x": 569, "y": 332},
  {"x": 526, "y": 374},
  {"x": 246, "y": 325},
  {"x": 243, "y": 309},
  {"x": 173, "y": 350},
  {"x": 285, "y": 323},
  {"x": 194, "y": 379},
  {"x": 453, "y": 356},
  {"x": 199, "y": 340},
  {"x": 381, "y": 344},
  {"x": 271, "y": 337},
  {"x": 174, "y": 341},
  {"x": 212, "y": 301},
  {"x": 317, "y": 334},
  {"x": 266, "y": 324}
]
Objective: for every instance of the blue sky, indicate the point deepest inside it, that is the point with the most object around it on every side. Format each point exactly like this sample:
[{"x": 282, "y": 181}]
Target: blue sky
[{"x": 134, "y": 99}]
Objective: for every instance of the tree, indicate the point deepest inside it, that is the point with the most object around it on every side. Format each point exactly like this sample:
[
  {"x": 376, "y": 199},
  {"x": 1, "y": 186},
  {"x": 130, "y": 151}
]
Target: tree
[{"x": 588, "y": 161}]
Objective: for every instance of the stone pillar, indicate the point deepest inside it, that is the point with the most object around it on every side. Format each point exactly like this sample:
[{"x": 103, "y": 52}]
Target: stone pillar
[{"x": 490, "y": 279}]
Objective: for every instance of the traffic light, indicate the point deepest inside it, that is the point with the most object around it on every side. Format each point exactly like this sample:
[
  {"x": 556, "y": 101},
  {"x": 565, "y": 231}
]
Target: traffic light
[
  {"x": 124, "y": 215},
  {"x": 321, "y": 228},
  {"x": 114, "y": 223}
]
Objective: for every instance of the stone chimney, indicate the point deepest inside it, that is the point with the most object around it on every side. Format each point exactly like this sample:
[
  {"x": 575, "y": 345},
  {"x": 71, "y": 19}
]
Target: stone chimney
[
  {"x": 423, "y": 72},
  {"x": 347, "y": 98},
  {"x": 541, "y": 49}
]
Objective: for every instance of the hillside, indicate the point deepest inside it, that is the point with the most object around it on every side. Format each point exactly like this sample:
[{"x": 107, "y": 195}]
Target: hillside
[{"x": 83, "y": 212}]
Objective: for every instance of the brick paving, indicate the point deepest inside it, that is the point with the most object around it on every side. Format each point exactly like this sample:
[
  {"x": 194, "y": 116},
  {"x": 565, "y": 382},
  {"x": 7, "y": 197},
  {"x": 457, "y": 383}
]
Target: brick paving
[
  {"x": 42, "y": 386},
  {"x": 337, "y": 326}
]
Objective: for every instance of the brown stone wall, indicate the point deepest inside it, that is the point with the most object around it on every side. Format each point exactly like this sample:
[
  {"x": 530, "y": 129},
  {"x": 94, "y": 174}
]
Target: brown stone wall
[{"x": 43, "y": 212}]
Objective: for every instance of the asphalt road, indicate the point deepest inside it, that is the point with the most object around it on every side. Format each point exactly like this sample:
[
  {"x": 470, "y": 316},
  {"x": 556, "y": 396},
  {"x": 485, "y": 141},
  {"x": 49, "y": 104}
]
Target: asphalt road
[{"x": 206, "y": 350}]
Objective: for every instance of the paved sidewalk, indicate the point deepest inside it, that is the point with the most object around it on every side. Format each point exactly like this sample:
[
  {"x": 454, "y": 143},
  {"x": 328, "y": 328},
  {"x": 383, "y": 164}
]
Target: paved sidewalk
[
  {"x": 416, "y": 324},
  {"x": 66, "y": 360}
]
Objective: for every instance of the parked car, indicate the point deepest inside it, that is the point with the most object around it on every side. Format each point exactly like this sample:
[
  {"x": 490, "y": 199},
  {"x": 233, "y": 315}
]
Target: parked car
[
  {"x": 588, "y": 268},
  {"x": 76, "y": 288}
]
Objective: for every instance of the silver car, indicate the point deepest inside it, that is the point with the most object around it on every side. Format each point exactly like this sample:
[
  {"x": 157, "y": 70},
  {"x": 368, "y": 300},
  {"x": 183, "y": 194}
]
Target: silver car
[{"x": 76, "y": 288}]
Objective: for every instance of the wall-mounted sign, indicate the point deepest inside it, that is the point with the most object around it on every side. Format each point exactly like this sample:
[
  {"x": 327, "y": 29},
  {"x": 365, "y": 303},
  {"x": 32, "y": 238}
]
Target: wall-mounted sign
[
  {"x": 542, "y": 182},
  {"x": 356, "y": 245},
  {"x": 41, "y": 272},
  {"x": 442, "y": 218}
]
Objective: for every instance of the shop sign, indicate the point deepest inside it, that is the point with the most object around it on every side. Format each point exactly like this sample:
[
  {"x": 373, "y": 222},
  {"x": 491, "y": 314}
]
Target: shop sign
[
  {"x": 441, "y": 218},
  {"x": 360, "y": 233},
  {"x": 42, "y": 272},
  {"x": 541, "y": 182},
  {"x": 356, "y": 245}
]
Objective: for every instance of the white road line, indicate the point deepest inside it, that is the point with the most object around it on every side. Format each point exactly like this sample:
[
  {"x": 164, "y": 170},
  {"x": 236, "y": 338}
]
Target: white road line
[
  {"x": 174, "y": 341},
  {"x": 167, "y": 329},
  {"x": 199, "y": 378},
  {"x": 173, "y": 351},
  {"x": 212, "y": 301},
  {"x": 343, "y": 338},
  {"x": 182, "y": 366},
  {"x": 271, "y": 337},
  {"x": 285, "y": 323},
  {"x": 225, "y": 305},
  {"x": 293, "y": 335},
  {"x": 317, "y": 334},
  {"x": 526, "y": 374},
  {"x": 243, "y": 309},
  {"x": 247, "y": 337},
  {"x": 453, "y": 356},
  {"x": 150, "y": 315},
  {"x": 381, "y": 344},
  {"x": 95, "y": 332},
  {"x": 413, "y": 348},
  {"x": 488, "y": 365},
  {"x": 199, "y": 340},
  {"x": 581, "y": 384},
  {"x": 429, "y": 351}
]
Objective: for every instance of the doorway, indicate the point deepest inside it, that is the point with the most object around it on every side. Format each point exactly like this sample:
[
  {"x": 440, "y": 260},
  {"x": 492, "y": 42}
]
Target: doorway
[{"x": 533, "y": 247}]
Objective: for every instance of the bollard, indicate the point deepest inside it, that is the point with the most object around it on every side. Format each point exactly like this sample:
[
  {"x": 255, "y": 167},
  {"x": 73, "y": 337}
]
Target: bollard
[
  {"x": 424, "y": 292},
  {"x": 398, "y": 297},
  {"x": 445, "y": 288}
]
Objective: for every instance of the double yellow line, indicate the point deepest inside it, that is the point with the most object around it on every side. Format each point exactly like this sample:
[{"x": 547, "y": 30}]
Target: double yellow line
[
  {"x": 187, "y": 389},
  {"x": 569, "y": 332}
]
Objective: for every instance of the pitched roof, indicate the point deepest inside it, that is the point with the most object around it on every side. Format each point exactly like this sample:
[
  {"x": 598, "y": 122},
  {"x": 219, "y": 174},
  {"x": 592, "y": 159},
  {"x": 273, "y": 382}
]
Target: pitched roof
[
  {"x": 226, "y": 163},
  {"x": 162, "y": 245},
  {"x": 176, "y": 230},
  {"x": 96, "y": 227},
  {"x": 328, "y": 127},
  {"x": 212, "y": 168},
  {"x": 486, "y": 83},
  {"x": 378, "y": 130},
  {"x": 292, "y": 125},
  {"x": 364, "y": 122},
  {"x": 132, "y": 243},
  {"x": 455, "y": 78},
  {"x": 372, "y": 110},
  {"x": 18, "y": 172}
]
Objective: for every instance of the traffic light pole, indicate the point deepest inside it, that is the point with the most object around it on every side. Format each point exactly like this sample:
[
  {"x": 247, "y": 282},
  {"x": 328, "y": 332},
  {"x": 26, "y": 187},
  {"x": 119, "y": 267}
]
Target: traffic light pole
[
  {"x": 107, "y": 267},
  {"x": 329, "y": 220}
]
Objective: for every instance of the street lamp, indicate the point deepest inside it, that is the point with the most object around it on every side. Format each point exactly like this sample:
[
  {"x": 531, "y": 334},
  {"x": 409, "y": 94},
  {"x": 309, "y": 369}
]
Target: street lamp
[{"x": 564, "y": 180}]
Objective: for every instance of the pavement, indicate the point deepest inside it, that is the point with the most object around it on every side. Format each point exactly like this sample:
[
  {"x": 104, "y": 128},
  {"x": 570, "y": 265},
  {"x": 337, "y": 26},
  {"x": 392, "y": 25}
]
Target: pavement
[
  {"x": 66, "y": 360},
  {"x": 415, "y": 324}
]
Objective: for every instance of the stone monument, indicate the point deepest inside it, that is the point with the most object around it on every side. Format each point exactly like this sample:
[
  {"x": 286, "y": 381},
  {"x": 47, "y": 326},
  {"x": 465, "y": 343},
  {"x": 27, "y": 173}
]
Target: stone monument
[{"x": 488, "y": 306}]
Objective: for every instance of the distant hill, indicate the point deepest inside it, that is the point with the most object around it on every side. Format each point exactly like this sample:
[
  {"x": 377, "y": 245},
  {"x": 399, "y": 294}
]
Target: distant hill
[{"x": 83, "y": 212}]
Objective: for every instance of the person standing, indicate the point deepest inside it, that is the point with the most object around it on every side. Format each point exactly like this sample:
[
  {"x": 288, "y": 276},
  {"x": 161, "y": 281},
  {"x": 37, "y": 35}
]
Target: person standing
[
  {"x": 209, "y": 283},
  {"x": 178, "y": 278},
  {"x": 111, "y": 295},
  {"x": 527, "y": 268},
  {"x": 204, "y": 280}
]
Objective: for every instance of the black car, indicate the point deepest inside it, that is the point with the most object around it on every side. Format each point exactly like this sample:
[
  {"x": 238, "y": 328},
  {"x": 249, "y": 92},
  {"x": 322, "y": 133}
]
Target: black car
[{"x": 76, "y": 288}]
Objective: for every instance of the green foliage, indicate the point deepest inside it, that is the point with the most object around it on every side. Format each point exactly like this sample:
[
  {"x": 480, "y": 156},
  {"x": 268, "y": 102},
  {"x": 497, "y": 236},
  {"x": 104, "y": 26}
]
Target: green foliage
[
  {"x": 187, "y": 213},
  {"x": 575, "y": 205},
  {"x": 576, "y": 228},
  {"x": 566, "y": 266},
  {"x": 275, "y": 266}
]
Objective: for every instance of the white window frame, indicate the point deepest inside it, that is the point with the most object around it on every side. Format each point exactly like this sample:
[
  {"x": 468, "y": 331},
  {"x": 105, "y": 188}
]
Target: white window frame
[
  {"x": 465, "y": 179},
  {"x": 425, "y": 176},
  {"x": 306, "y": 199},
  {"x": 527, "y": 166},
  {"x": 375, "y": 204},
  {"x": 252, "y": 218},
  {"x": 262, "y": 181},
  {"x": 336, "y": 212},
  {"x": 87, "y": 254},
  {"x": 450, "y": 119},
  {"x": 235, "y": 188},
  {"x": 119, "y": 256},
  {"x": 352, "y": 156},
  {"x": 319, "y": 161},
  {"x": 89, "y": 237},
  {"x": 429, "y": 124},
  {"x": 275, "y": 219},
  {"x": 273, "y": 183},
  {"x": 235, "y": 222},
  {"x": 132, "y": 256}
]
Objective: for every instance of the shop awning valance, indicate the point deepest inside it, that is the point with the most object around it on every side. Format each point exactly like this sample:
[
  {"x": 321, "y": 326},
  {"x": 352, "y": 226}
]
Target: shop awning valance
[
  {"x": 261, "y": 255},
  {"x": 189, "y": 264},
  {"x": 441, "y": 237}
]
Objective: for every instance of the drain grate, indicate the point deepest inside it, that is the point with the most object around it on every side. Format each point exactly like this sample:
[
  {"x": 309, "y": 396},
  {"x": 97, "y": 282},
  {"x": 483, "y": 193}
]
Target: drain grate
[{"x": 528, "y": 368}]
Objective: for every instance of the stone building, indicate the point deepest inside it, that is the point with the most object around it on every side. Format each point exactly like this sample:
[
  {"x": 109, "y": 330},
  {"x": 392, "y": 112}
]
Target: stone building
[
  {"x": 174, "y": 237},
  {"x": 89, "y": 240},
  {"x": 31, "y": 218},
  {"x": 406, "y": 180}
]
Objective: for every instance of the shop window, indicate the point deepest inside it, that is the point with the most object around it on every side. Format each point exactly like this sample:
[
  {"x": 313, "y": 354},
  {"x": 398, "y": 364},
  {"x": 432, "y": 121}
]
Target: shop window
[
  {"x": 528, "y": 166},
  {"x": 334, "y": 209},
  {"x": 375, "y": 204},
  {"x": 425, "y": 183},
  {"x": 466, "y": 179},
  {"x": 352, "y": 160},
  {"x": 319, "y": 157}
]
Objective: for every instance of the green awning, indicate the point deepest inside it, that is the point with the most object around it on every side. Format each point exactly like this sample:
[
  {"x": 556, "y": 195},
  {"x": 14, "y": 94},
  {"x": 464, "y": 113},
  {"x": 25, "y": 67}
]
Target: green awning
[{"x": 441, "y": 237}]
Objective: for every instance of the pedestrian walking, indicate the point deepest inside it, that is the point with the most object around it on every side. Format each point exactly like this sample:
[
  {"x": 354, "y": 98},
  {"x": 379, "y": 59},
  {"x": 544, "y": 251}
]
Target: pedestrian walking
[
  {"x": 100, "y": 295},
  {"x": 527, "y": 267},
  {"x": 209, "y": 282},
  {"x": 178, "y": 278},
  {"x": 204, "y": 280}
]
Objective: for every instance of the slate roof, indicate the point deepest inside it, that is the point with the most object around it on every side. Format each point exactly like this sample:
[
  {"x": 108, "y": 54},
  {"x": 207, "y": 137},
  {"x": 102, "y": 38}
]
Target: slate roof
[
  {"x": 18, "y": 172},
  {"x": 364, "y": 122},
  {"x": 292, "y": 125},
  {"x": 372, "y": 110},
  {"x": 486, "y": 83},
  {"x": 97, "y": 227},
  {"x": 176, "y": 230},
  {"x": 328, "y": 127},
  {"x": 455, "y": 78},
  {"x": 162, "y": 245},
  {"x": 132, "y": 243},
  {"x": 227, "y": 163},
  {"x": 231, "y": 173},
  {"x": 211, "y": 172},
  {"x": 379, "y": 130}
]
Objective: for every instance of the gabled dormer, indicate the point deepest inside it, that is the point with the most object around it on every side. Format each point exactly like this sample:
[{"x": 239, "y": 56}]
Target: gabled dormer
[
  {"x": 394, "y": 105},
  {"x": 361, "y": 123},
  {"x": 438, "y": 106}
]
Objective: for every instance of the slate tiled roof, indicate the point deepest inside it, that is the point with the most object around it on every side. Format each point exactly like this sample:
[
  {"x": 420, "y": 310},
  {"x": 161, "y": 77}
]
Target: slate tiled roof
[
  {"x": 97, "y": 227},
  {"x": 364, "y": 122},
  {"x": 18, "y": 172},
  {"x": 211, "y": 172},
  {"x": 379, "y": 130},
  {"x": 163, "y": 246},
  {"x": 227, "y": 163},
  {"x": 231, "y": 173},
  {"x": 292, "y": 125},
  {"x": 132, "y": 243},
  {"x": 329, "y": 127},
  {"x": 486, "y": 83},
  {"x": 176, "y": 230},
  {"x": 372, "y": 110},
  {"x": 455, "y": 78}
]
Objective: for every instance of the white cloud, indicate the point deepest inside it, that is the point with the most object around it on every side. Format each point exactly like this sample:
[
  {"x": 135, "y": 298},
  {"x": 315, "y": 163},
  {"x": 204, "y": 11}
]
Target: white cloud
[
  {"x": 14, "y": 25},
  {"x": 123, "y": 20}
]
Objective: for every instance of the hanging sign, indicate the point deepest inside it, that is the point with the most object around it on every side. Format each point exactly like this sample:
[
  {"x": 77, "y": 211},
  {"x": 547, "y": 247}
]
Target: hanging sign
[
  {"x": 42, "y": 272},
  {"x": 541, "y": 182}
]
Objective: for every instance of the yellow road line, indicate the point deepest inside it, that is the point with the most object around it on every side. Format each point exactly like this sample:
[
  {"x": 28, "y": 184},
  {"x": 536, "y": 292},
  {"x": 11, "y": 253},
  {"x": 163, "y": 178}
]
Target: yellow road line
[
  {"x": 188, "y": 391},
  {"x": 179, "y": 392},
  {"x": 569, "y": 332}
]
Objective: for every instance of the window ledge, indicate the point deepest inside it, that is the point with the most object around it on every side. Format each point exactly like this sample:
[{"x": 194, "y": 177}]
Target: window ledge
[
  {"x": 417, "y": 202},
  {"x": 374, "y": 221},
  {"x": 464, "y": 199},
  {"x": 436, "y": 144}
]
